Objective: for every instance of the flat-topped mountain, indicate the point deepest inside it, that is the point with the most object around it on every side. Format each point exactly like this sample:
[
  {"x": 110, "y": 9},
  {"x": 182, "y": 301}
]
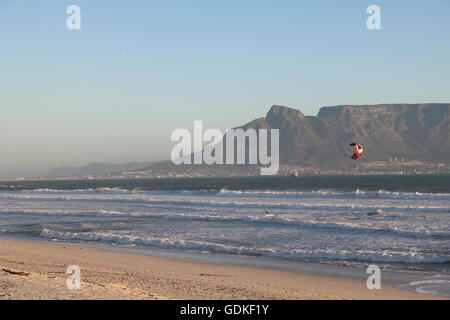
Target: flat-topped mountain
[
  {"x": 403, "y": 131},
  {"x": 410, "y": 131},
  {"x": 389, "y": 131}
]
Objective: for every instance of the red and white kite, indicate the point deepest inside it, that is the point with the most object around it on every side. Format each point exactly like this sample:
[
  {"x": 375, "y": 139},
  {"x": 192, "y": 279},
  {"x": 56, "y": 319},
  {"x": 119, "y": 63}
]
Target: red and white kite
[{"x": 358, "y": 151}]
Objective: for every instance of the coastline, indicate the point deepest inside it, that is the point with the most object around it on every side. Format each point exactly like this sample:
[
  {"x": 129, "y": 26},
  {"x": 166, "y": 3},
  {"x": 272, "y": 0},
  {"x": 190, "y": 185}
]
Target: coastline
[
  {"x": 115, "y": 275},
  {"x": 313, "y": 174}
]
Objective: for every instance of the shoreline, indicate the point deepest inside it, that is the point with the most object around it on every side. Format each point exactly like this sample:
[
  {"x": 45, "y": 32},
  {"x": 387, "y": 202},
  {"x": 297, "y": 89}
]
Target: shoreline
[
  {"x": 311, "y": 268},
  {"x": 310, "y": 175},
  {"x": 110, "y": 274}
]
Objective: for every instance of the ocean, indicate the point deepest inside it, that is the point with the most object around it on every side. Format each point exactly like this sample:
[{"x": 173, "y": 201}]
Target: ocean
[{"x": 396, "y": 222}]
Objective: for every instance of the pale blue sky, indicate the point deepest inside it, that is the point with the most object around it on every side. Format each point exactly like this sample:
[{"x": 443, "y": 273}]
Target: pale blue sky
[{"x": 116, "y": 89}]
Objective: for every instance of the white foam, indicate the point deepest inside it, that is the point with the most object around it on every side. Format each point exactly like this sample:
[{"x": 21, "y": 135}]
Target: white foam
[
  {"x": 365, "y": 206},
  {"x": 321, "y": 225},
  {"x": 224, "y": 192},
  {"x": 435, "y": 285},
  {"x": 379, "y": 194},
  {"x": 173, "y": 243}
]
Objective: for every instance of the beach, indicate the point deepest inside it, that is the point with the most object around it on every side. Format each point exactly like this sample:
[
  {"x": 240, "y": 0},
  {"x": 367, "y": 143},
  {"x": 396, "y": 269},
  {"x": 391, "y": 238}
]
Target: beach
[
  {"x": 37, "y": 271},
  {"x": 229, "y": 238}
]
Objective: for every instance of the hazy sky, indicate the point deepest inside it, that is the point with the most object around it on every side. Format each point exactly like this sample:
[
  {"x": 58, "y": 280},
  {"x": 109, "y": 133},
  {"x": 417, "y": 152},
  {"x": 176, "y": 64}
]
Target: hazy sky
[{"x": 114, "y": 90}]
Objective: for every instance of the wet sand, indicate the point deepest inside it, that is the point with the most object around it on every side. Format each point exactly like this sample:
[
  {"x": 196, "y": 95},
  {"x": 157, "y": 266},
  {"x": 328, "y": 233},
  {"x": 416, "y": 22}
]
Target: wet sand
[{"x": 37, "y": 271}]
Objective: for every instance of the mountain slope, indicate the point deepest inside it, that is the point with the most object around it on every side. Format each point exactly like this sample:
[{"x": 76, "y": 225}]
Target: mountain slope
[{"x": 412, "y": 131}]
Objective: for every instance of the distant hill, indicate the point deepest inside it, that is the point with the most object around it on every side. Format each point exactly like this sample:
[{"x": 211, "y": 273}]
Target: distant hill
[{"x": 96, "y": 168}]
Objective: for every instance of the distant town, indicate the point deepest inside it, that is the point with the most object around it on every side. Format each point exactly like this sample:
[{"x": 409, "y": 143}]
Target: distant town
[{"x": 394, "y": 166}]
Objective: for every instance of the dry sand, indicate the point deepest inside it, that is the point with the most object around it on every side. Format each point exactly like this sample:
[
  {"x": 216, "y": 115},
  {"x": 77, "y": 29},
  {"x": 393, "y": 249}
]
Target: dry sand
[{"x": 31, "y": 270}]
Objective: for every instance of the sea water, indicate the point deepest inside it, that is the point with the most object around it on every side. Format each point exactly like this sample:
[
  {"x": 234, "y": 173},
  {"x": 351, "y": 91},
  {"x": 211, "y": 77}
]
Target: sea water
[{"x": 396, "y": 222}]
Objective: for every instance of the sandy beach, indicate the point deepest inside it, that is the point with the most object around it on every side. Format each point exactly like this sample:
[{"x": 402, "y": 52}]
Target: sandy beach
[{"x": 37, "y": 271}]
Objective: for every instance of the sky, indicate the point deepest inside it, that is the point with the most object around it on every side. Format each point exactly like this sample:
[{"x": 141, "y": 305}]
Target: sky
[{"x": 115, "y": 90}]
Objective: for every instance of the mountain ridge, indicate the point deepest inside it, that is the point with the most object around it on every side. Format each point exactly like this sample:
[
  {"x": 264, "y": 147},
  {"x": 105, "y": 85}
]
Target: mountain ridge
[
  {"x": 387, "y": 131},
  {"x": 412, "y": 131}
]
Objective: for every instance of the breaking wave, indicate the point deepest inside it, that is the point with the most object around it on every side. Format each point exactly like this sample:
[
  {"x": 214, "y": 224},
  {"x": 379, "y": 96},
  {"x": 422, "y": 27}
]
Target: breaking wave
[
  {"x": 357, "y": 194},
  {"x": 318, "y": 225},
  {"x": 215, "y": 202},
  {"x": 271, "y": 220},
  {"x": 303, "y": 254},
  {"x": 224, "y": 192}
]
